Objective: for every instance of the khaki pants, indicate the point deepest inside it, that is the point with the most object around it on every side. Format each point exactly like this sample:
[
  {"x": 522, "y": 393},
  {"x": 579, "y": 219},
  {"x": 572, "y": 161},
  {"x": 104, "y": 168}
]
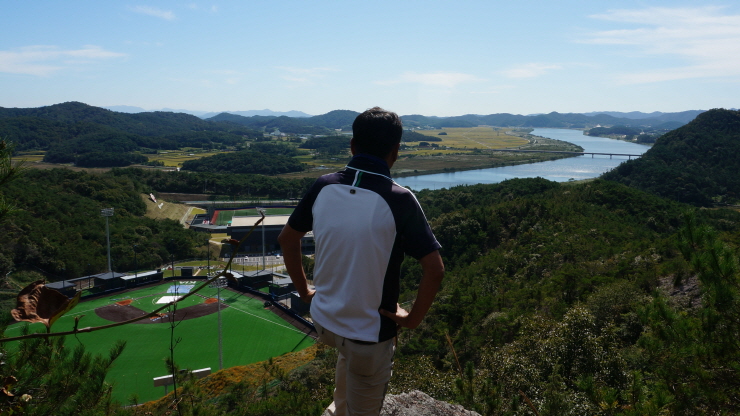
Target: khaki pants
[{"x": 362, "y": 374}]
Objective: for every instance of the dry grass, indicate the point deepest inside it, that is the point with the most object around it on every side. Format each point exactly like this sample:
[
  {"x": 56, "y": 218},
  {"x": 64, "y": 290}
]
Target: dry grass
[
  {"x": 178, "y": 212},
  {"x": 253, "y": 375}
]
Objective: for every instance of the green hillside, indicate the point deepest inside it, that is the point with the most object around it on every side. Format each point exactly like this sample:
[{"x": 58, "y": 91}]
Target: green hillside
[
  {"x": 57, "y": 231},
  {"x": 95, "y": 137},
  {"x": 565, "y": 293},
  {"x": 697, "y": 164}
]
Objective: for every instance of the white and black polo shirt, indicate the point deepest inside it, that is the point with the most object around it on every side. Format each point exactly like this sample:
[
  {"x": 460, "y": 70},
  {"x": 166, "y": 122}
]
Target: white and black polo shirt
[{"x": 363, "y": 224}]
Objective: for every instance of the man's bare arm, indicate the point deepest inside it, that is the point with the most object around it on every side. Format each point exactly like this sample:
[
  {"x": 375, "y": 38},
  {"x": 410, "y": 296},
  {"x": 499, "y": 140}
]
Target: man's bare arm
[
  {"x": 290, "y": 242},
  {"x": 433, "y": 271}
]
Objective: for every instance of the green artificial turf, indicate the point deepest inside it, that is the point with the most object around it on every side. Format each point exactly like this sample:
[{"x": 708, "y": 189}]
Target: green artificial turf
[{"x": 250, "y": 333}]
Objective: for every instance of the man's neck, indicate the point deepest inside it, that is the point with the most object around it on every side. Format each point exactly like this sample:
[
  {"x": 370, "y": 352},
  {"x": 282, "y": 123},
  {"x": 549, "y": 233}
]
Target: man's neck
[{"x": 374, "y": 159}]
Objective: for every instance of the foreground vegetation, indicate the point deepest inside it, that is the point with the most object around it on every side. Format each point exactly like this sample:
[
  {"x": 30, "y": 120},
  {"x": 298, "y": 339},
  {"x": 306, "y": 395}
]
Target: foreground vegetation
[{"x": 556, "y": 294}]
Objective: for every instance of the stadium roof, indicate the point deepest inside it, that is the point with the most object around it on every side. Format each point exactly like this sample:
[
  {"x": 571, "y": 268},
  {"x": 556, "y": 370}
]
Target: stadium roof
[
  {"x": 209, "y": 227},
  {"x": 60, "y": 285},
  {"x": 248, "y": 221},
  {"x": 108, "y": 275},
  {"x": 140, "y": 274}
]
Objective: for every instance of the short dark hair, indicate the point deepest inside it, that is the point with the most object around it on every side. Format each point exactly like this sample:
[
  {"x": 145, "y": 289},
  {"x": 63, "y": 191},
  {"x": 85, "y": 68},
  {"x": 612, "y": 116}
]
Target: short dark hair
[{"x": 377, "y": 131}]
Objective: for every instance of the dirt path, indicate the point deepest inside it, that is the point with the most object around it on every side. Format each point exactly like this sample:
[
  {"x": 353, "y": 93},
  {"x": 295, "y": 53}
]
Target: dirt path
[{"x": 185, "y": 216}]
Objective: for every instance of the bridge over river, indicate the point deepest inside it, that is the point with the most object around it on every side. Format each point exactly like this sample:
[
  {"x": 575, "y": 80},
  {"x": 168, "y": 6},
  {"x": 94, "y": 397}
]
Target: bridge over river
[{"x": 566, "y": 152}]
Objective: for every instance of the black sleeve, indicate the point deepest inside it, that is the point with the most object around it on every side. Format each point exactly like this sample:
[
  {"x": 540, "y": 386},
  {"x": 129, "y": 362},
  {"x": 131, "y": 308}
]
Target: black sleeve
[
  {"x": 302, "y": 217},
  {"x": 418, "y": 238}
]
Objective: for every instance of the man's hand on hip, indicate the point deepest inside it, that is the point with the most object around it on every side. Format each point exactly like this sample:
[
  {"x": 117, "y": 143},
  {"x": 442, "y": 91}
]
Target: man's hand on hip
[{"x": 400, "y": 317}]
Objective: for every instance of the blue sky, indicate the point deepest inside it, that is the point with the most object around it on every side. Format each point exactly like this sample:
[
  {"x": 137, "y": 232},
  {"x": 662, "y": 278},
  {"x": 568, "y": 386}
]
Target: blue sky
[{"x": 436, "y": 58}]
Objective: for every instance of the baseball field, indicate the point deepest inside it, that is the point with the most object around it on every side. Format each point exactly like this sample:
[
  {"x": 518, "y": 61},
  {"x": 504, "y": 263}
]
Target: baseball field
[{"x": 250, "y": 333}]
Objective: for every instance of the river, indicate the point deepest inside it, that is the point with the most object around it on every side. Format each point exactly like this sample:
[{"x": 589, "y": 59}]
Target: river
[{"x": 561, "y": 170}]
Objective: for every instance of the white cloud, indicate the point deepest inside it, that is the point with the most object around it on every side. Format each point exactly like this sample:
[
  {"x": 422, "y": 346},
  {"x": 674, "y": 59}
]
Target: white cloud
[
  {"x": 706, "y": 40},
  {"x": 153, "y": 11},
  {"x": 434, "y": 79},
  {"x": 531, "y": 70},
  {"x": 43, "y": 60}
]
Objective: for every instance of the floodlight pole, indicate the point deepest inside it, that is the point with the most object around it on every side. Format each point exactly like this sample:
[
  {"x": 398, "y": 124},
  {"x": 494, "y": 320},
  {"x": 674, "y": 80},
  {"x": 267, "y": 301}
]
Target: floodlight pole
[
  {"x": 220, "y": 341},
  {"x": 172, "y": 257},
  {"x": 262, "y": 211},
  {"x": 136, "y": 265},
  {"x": 107, "y": 212}
]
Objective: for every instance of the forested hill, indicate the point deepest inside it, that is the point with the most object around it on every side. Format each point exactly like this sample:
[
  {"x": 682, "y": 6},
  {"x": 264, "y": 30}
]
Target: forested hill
[
  {"x": 145, "y": 124},
  {"x": 560, "y": 292},
  {"x": 323, "y": 124},
  {"x": 91, "y": 136},
  {"x": 162, "y": 123},
  {"x": 696, "y": 164},
  {"x": 70, "y": 129},
  {"x": 57, "y": 229}
]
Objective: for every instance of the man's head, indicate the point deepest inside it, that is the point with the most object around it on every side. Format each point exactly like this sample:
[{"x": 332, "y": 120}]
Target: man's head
[{"x": 376, "y": 132}]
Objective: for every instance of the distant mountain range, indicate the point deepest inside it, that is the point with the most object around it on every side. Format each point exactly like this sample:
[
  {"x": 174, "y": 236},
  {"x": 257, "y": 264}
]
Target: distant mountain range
[
  {"x": 653, "y": 118},
  {"x": 208, "y": 114},
  {"x": 683, "y": 116},
  {"x": 256, "y": 118}
]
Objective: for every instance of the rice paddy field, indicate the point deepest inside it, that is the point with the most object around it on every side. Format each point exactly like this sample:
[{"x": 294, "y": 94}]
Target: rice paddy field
[
  {"x": 482, "y": 137},
  {"x": 30, "y": 157},
  {"x": 250, "y": 333},
  {"x": 177, "y": 157}
]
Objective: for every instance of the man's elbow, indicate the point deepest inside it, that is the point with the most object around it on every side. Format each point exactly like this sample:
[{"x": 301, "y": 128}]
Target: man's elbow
[
  {"x": 433, "y": 265},
  {"x": 284, "y": 236},
  {"x": 439, "y": 274},
  {"x": 289, "y": 238},
  {"x": 281, "y": 238}
]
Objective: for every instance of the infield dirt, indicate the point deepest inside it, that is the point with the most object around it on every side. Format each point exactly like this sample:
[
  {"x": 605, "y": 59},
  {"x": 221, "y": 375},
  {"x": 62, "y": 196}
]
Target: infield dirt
[{"x": 119, "y": 313}]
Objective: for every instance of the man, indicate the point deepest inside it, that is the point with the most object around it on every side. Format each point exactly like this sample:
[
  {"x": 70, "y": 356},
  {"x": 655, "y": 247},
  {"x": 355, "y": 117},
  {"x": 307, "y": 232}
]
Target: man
[{"x": 363, "y": 225}]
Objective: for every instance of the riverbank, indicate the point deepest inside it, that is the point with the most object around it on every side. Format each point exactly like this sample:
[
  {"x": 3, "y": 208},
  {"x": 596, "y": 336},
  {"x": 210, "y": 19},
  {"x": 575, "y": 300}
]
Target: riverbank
[
  {"x": 411, "y": 165},
  {"x": 565, "y": 169},
  {"x": 414, "y": 161},
  {"x": 461, "y": 163}
]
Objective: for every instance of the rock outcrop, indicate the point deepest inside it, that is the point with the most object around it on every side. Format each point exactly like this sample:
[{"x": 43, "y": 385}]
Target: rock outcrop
[{"x": 416, "y": 403}]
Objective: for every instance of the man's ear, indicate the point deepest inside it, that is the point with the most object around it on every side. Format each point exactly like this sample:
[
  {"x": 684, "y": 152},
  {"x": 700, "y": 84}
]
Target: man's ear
[
  {"x": 393, "y": 155},
  {"x": 352, "y": 146}
]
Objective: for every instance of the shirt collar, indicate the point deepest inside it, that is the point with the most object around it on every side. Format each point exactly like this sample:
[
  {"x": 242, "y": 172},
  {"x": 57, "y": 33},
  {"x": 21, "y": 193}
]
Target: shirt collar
[{"x": 364, "y": 161}]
